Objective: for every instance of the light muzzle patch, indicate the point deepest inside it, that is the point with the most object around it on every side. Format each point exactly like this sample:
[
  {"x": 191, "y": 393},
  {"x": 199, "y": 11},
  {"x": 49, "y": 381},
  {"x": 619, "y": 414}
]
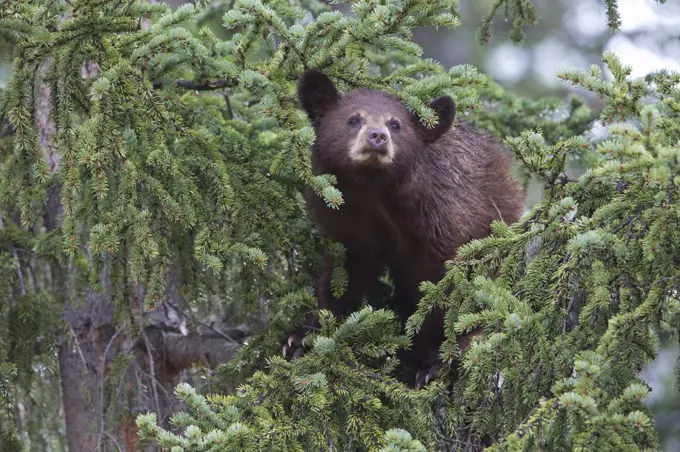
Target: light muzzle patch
[{"x": 362, "y": 152}]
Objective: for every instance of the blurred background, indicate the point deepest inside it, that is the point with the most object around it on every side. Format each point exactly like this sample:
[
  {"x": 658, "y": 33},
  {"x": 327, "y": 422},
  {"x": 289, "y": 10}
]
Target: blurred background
[{"x": 570, "y": 34}]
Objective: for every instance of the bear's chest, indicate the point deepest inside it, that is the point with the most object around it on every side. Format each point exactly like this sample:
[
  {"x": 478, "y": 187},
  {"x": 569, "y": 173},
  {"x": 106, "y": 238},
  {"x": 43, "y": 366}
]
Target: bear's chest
[{"x": 362, "y": 221}]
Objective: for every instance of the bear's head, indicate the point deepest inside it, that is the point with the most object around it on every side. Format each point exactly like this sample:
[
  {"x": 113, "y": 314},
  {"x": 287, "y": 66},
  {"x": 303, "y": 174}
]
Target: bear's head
[{"x": 366, "y": 128}]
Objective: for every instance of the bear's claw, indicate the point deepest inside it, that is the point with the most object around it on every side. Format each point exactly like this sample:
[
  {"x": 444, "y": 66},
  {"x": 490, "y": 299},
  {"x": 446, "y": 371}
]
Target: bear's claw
[
  {"x": 293, "y": 347},
  {"x": 426, "y": 375}
]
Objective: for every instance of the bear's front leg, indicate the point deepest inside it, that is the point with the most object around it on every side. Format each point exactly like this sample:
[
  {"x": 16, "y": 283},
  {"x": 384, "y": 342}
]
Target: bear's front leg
[
  {"x": 363, "y": 272},
  {"x": 422, "y": 362},
  {"x": 423, "y": 358}
]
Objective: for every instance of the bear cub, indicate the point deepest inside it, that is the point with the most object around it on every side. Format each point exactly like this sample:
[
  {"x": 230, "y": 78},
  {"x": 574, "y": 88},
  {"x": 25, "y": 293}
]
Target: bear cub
[{"x": 412, "y": 195}]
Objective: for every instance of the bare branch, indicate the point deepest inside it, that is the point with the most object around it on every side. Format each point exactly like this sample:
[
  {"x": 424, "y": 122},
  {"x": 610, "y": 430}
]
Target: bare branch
[
  {"x": 114, "y": 441},
  {"x": 102, "y": 432},
  {"x": 6, "y": 129},
  {"x": 231, "y": 333},
  {"x": 201, "y": 86},
  {"x": 152, "y": 365},
  {"x": 183, "y": 351},
  {"x": 80, "y": 351}
]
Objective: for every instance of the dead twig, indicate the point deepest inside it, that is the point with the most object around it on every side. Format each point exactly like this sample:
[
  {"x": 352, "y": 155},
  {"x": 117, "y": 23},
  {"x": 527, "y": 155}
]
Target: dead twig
[{"x": 201, "y": 86}]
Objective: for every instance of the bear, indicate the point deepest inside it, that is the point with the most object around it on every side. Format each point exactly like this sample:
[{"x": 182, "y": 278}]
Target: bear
[{"x": 413, "y": 195}]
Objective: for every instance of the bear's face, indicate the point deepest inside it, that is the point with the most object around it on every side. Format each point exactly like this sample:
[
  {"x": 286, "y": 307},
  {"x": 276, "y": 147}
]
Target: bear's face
[{"x": 366, "y": 128}]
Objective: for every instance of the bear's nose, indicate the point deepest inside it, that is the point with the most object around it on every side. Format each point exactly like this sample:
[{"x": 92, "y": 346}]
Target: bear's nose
[{"x": 377, "y": 138}]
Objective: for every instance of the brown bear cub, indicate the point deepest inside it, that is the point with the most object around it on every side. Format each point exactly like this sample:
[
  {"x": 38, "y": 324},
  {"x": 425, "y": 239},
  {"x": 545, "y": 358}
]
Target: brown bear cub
[{"x": 412, "y": 195}]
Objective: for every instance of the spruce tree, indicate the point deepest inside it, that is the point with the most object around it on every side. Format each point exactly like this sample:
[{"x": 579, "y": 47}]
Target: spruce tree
[{"x": 148, "y": 164}]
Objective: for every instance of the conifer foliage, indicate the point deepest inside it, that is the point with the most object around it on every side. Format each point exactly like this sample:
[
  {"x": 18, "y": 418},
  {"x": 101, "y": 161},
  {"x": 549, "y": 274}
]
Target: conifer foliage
[{"x": 183, "y": 154}]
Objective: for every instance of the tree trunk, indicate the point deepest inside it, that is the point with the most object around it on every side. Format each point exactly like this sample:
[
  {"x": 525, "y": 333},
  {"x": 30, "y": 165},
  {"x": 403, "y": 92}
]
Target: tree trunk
[
  {"x": 101, "y": 400},
  {"x": 83, "y": 355},
  {"x": 108, "y": 374}
]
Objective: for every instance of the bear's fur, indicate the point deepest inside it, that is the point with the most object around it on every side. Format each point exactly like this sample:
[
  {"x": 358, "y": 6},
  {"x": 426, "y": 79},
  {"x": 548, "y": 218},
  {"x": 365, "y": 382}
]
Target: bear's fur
[{"x": 412, "y": 195}]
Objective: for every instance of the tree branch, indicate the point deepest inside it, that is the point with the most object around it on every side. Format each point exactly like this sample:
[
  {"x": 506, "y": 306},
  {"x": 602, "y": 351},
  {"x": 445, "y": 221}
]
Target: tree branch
[
  {"x": 183, "y": 351},
  {"x": 232, "y": 334},
  {"x": 201, "y": 86},
  {"x": 102, "y": 371},
  {"x": 6, "y": 129}
]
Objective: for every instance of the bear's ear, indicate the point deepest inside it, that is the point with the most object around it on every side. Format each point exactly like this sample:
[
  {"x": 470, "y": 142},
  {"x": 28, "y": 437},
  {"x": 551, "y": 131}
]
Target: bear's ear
[
  {"x": 445, "y": 109},
  {"x": 316, "y": 92}
]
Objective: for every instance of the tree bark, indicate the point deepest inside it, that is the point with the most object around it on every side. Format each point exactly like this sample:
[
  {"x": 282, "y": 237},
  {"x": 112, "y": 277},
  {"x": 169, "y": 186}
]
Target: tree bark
[
  {"x": 82, "y": 368},
  {"x": 101, "y": 406}
]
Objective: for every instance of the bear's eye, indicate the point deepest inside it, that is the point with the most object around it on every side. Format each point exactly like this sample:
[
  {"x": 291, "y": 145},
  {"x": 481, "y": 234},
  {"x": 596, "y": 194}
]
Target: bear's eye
[
  {"x": 394, "y": 125},
  {"x": 354, "y": 120}
]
